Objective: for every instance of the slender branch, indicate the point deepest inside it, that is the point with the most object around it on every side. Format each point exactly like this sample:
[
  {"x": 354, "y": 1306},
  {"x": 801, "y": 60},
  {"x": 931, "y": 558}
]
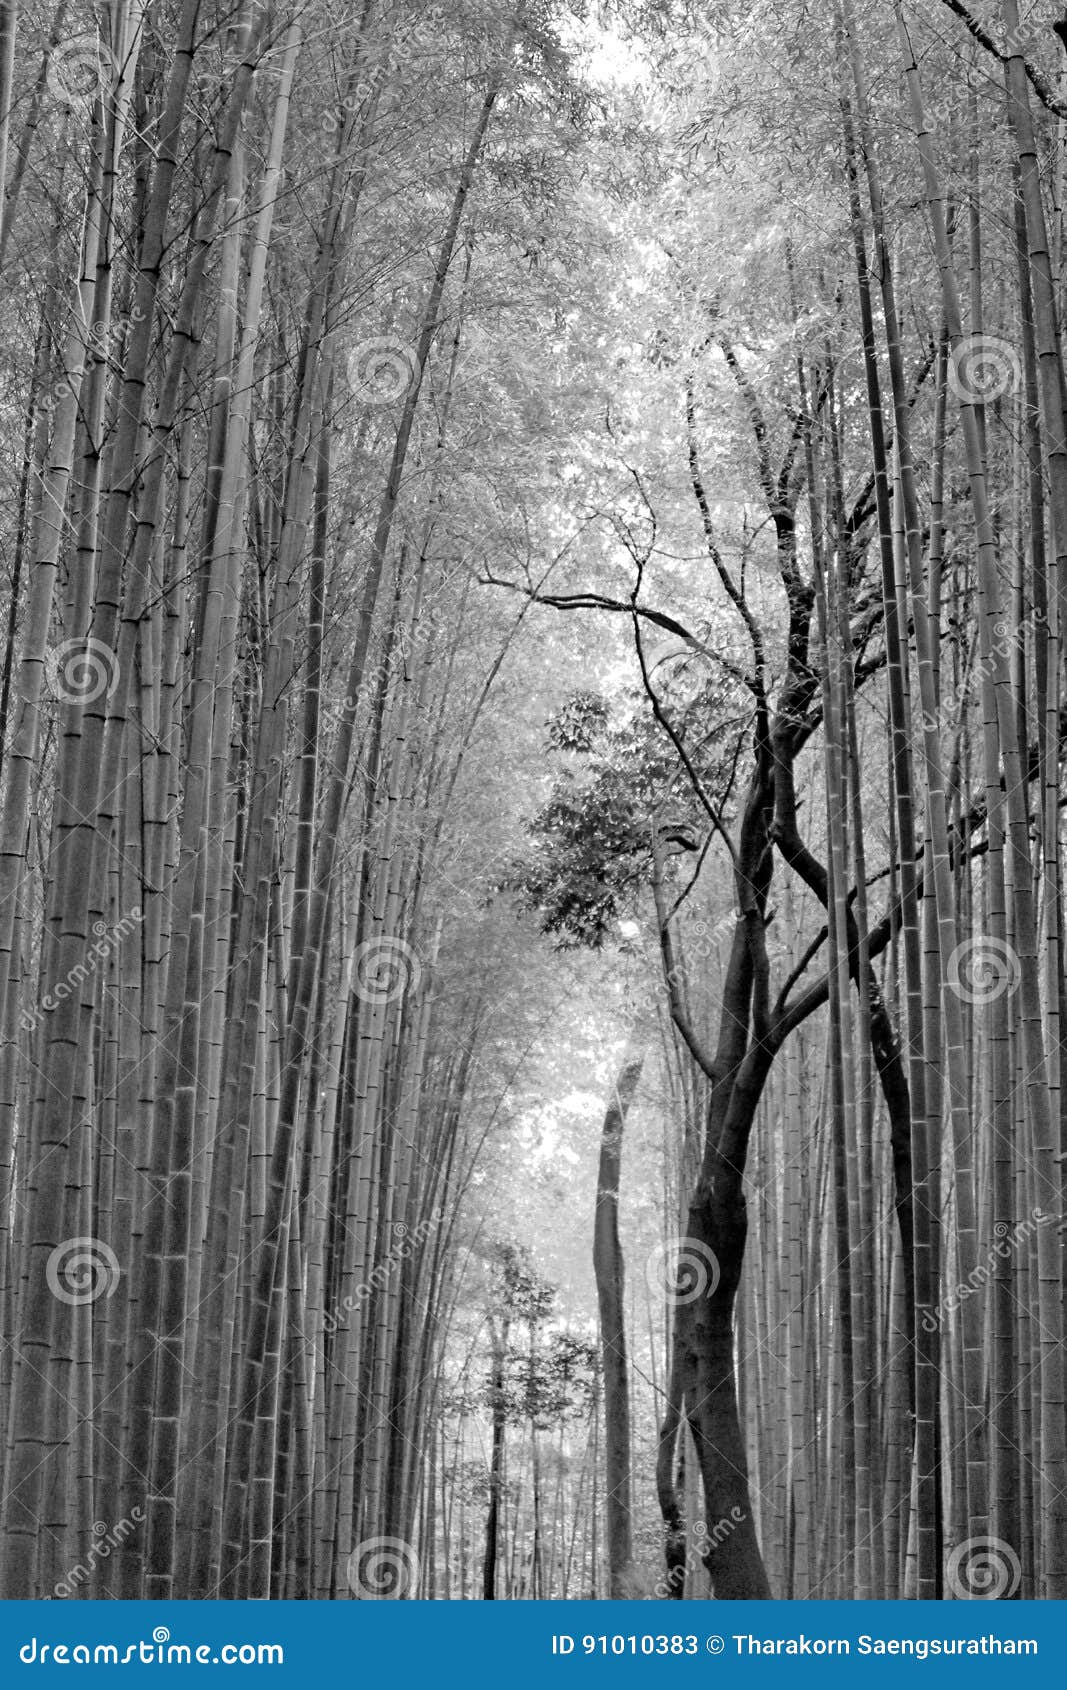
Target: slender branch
[{"x": 1005, "y": 54}]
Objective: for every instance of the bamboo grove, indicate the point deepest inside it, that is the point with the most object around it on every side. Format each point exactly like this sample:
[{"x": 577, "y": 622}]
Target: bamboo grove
[{"x": 531, "y": 927}]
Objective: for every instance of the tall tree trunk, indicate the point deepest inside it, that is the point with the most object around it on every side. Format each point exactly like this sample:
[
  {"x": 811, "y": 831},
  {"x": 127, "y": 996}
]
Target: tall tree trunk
[{"x": 610, "y": 1283}]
